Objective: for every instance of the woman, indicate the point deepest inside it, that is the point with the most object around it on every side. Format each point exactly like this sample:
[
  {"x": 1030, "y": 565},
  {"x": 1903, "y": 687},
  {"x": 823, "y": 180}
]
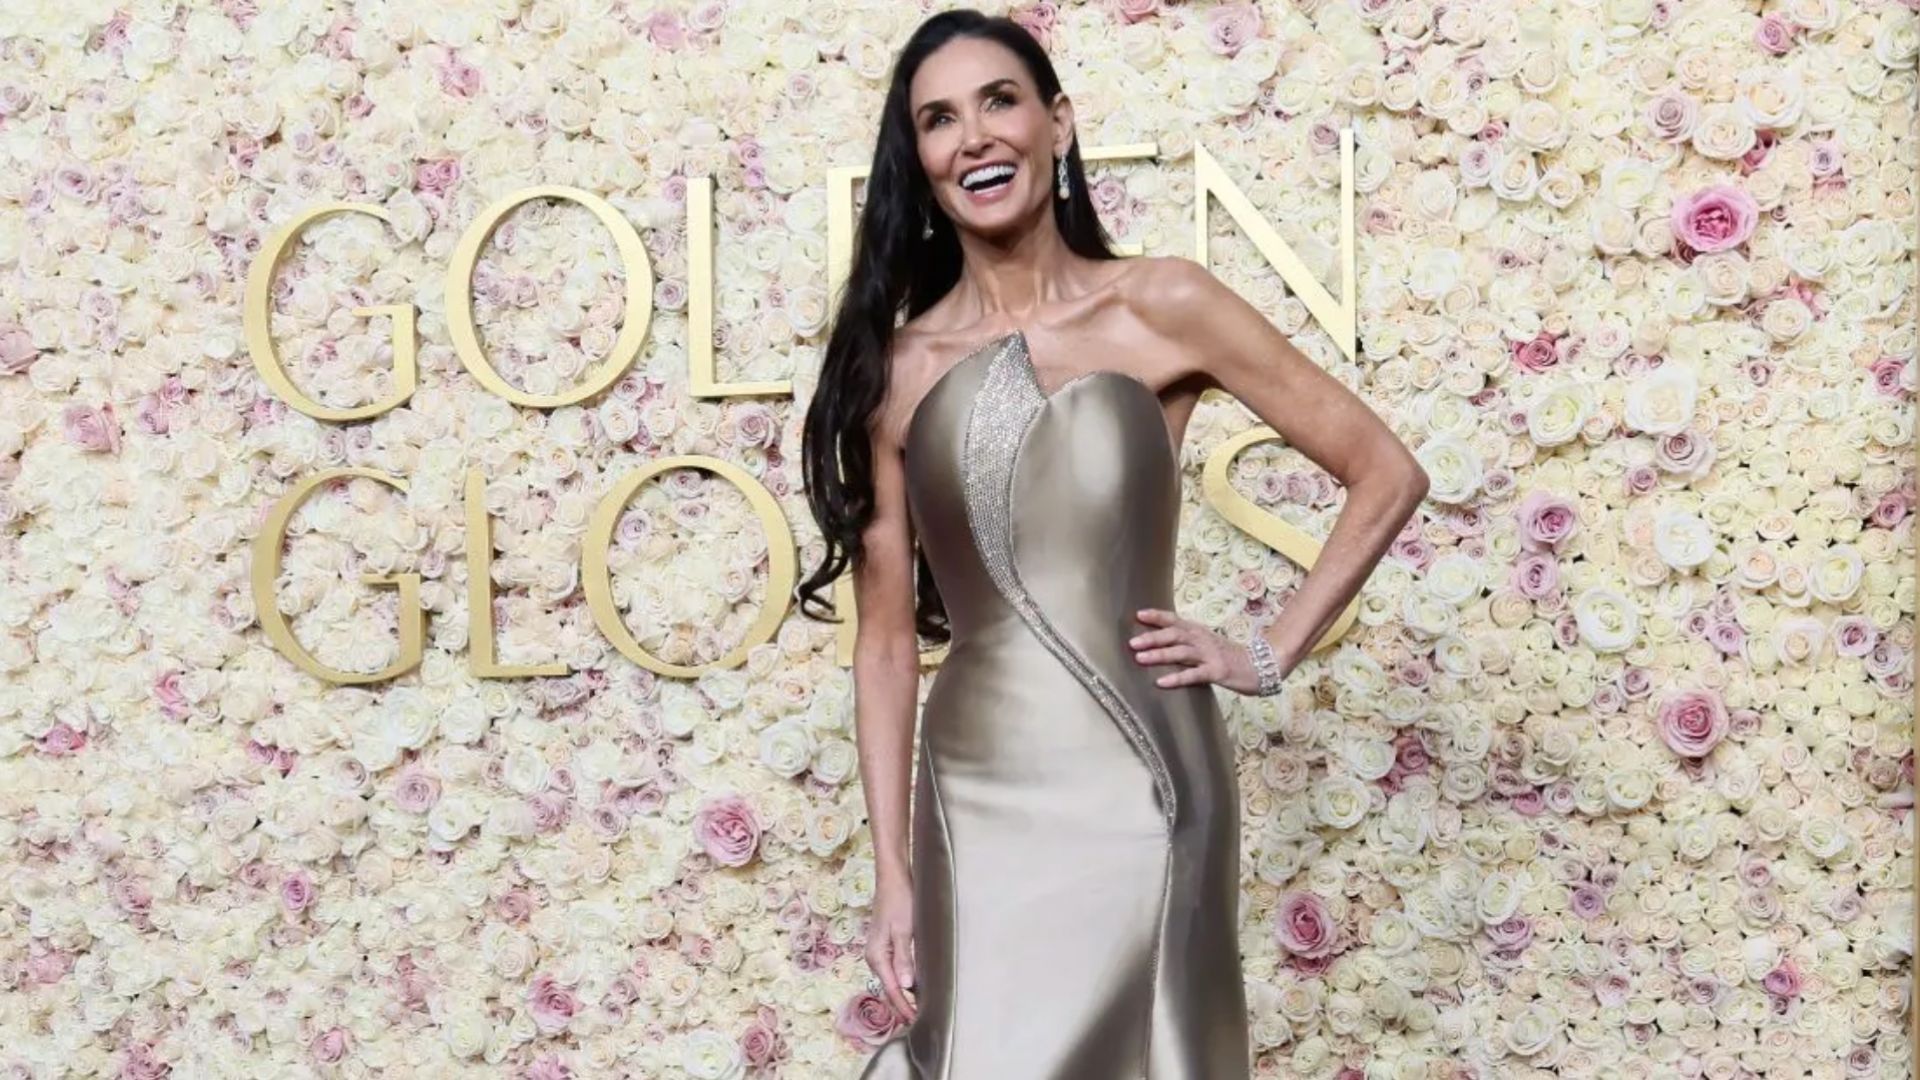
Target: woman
[{"x": 1069, "y": 909}]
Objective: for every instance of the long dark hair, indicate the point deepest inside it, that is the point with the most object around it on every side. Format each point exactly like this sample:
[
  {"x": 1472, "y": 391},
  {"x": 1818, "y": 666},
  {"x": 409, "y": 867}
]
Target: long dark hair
[{"x": 895, "y": 273}]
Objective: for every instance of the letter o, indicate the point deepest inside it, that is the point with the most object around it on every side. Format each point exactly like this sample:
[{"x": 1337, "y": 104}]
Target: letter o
[
  {"x": 598, "y": 582},
  {"x": 634, "y": 320}
]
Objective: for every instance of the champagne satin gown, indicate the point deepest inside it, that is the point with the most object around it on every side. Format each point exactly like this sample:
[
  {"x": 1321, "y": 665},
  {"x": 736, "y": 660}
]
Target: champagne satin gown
[{"x": 1075, "y": 827}]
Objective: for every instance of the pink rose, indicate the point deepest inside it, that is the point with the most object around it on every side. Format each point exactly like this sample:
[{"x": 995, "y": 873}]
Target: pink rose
[
  {"x": 1828, "y": 161},
  {"x": 761, "y": 1044},
  {"x": 1546, "y": 520},
  {"x": 1587, "y": 901},
  {"x": 1887, "y": 372},
  {"x": 515, "y": 905},
  {"x": 416, "y": 791},
  {"x": 1037, "y": 20},
  {"x": 1231, "y": 26},
  {"x": 1673, "y": 115},
  {"x": 868, "y": 1018},
  {"x": 1133, "y": 11},
  {"x": 437, "y": 177},
  {"x": 1692, "y": 722},
  {"x": 91, "y": 429},
  {"x": 173, "y": 701},
  {"x": 1511, "y": 935},
  {"x": 726, "y": 829},
  {"x": 665, "y": 30},
  {"x": 329, "y": 1046},
  {"x": 296, "y": 891},
  {"x": 1535, "y": 575},
  {"x": 1715, "y": 218},
  {"x": 50, "y": 966},
  {"x": 1684, "y": 453},
  {"x": 1773, "y": 34},
  {"x": 1536, "y": 355},
  {"x": 17, "y": 353},
  {"x": 1303, "y": 926},
  {"x": 1783, "y": 981},
  {"x": 61, "y": 740},
  {"x": 552, "y": 1005},
  {"x": 548, "y": 1067},
  {"x": 459, "y": 78},
  {"x": 141, "y": 1063}
]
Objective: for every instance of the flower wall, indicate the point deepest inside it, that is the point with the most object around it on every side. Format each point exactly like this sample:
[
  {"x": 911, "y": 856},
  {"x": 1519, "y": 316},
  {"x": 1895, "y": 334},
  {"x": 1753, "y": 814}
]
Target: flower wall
[{"x": 1613, "y": 772}]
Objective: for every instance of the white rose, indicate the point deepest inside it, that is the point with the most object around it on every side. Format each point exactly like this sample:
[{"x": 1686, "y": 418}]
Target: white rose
[
  {"x": 786, "y": 746},
  {"x": 1895, "y": 42},
  {"x": 1662, "y": 401},
  {"x": 1630, "y": 788},
  {"x": 1532, "y": 1030},
  {"x": 1369, "y": 759},
  {"x": 1695, "y": 838},
  {"x": 525, "y": 770},
  {"x": 1500, "y": 896},
  {"x": 1770, "y": 96},
  {"x": 707, "y": 1054},
  {"x": 1725, "y": 277},
  {"x": 466, "y": 1032},
  {"x": 1823, "y": 837},
  {"x": 452, "y": 818},
  {"x": 1607, "y": 619},
  {"x": 835, "y": 761},
  {"x": 1628, "y": 182},
  {"x": 1433, "y": 272},
  {"x": 681, "y": 710},
  {"x": 1557, "y": 417},
  {"x": 1453, "y": 467},
  {"x": 1724, "y": 132},
  {"x": 1392, "y": 935},
  {"x": 464, "y": 720},
  {"x": 1681, "y": 539},
  {"x": 1340, "y": 801},
  {"x": 1836, "y": 576}
]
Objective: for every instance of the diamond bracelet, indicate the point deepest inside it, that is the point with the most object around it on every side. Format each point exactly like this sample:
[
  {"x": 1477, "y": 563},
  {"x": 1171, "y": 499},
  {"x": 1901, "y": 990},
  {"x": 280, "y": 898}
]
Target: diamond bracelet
[{"x": 1264, "y": 664}]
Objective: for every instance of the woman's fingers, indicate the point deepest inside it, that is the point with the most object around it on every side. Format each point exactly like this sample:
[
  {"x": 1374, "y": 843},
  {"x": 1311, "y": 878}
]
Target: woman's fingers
[
  {"x": 903, "y": 972},
  {"x": 1177, "y": 653},
  {"x": 882, "y": 966}
]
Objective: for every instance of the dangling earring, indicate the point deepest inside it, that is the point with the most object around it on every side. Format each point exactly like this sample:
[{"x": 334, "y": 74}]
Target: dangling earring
[
  {"x": 926, "y": 223},
  {"x": 1060, "y": 173}
]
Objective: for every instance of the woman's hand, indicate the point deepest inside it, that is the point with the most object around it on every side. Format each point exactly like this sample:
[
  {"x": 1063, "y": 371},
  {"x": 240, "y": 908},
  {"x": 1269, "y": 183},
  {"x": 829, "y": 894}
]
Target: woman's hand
[
  {"x": 1210, "y": 657},
  {"x": 890, "y": 943}
]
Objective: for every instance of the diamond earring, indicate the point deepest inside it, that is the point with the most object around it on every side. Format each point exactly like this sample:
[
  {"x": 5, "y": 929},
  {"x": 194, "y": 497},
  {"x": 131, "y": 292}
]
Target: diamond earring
[{"x": 1060, "y": 174}]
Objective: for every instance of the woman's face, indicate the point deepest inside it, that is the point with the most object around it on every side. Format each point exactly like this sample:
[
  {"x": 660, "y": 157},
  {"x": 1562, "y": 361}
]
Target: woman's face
[{"x": 986, "y": 140}]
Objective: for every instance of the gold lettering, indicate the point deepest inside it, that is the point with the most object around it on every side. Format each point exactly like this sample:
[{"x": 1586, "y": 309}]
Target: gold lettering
[
  {"x": 266, "y": 574},
  {"x": 1277, "y": 534},
  {"x": 596, "y": 575},
  {"x": 1339, "y": 318},
  {"x": 702, "y": 381},
  {"x": 257, "y": 310},
  {"x": 482, "y": 661},
  {"x": 633, "y": 324}
]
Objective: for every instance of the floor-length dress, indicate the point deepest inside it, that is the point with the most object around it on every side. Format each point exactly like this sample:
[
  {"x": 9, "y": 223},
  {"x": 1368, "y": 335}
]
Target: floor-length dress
[{"x": 1075, "y": 827}]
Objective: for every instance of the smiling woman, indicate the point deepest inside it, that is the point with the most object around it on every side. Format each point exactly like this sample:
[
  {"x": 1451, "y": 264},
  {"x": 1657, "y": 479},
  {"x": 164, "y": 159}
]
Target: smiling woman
[{"x": 1062, "y": 900}]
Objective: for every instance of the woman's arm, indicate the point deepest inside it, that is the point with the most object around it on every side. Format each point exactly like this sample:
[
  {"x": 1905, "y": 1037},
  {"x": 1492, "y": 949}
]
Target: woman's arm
[
  {"x": 1247, "y": 356},
  {"x": 886, "y": 661}
]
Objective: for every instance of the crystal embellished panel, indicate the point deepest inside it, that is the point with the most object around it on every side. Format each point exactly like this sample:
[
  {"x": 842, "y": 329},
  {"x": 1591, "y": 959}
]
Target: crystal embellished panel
[{"x": 1008, "y": 401}]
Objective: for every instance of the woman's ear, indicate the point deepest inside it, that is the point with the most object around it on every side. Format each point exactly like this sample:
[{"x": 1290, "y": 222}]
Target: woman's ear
[{"x": 1062, "y": 110}]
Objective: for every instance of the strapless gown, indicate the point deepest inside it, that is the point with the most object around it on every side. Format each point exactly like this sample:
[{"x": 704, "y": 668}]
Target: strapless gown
[{"x": 1075, "y": 827}]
